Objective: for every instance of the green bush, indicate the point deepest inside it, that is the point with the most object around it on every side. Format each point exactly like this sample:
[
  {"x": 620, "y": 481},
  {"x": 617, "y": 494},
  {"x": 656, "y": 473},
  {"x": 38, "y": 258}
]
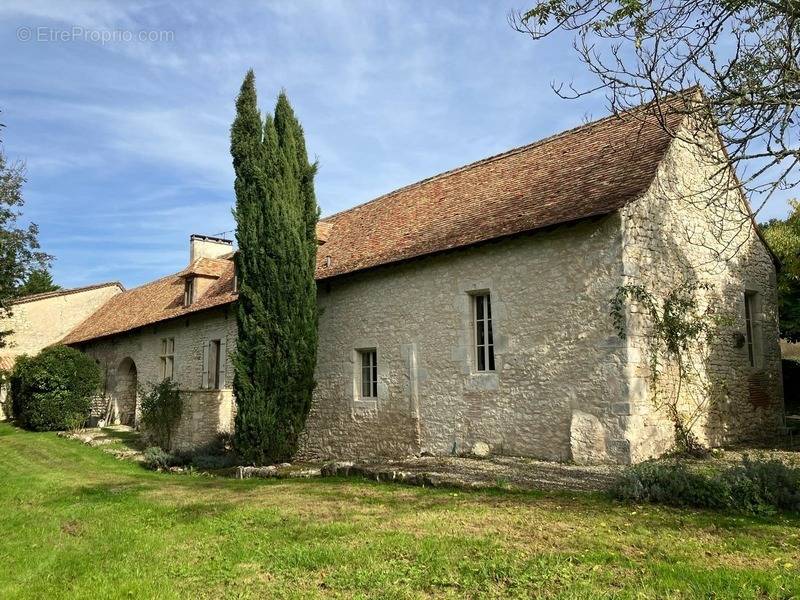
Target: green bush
[
  {"x": 53, "y": 390},
  {"x": 213, "y": 462},
  {"x": 754, "y": 486},
  {"x": 791, "y": 385},
  {"x": 669, "y": 483},
  {"x": 759, "y": 486},
  {"x": 156, "y": 458},
  {"x": 161, "y": 411}
]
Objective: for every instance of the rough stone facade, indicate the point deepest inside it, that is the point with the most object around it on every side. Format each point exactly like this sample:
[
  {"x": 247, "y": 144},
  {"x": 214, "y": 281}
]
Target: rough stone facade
[
  {"x": 693, "y": 225},
  {"x": 556, "y": 351},
  {"x": 207, "y": 413},
  {"x": 45, "y": 319},
  {"x": 566, "y": 387}
]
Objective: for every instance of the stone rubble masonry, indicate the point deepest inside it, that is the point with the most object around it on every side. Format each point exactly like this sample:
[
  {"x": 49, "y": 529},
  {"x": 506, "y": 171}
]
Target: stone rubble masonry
[
  {"x": 555, "y": 350},
  {"x": 206, "y": 413},
  {"x": 567, "y": 387},
  {"x": 693, "y": 225}
]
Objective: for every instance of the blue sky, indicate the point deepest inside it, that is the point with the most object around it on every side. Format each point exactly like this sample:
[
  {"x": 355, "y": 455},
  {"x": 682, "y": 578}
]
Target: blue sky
[{"x": 126, "y": 141}]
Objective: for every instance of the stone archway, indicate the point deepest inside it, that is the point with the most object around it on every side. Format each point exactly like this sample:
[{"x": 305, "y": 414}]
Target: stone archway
[{"x": 125, "y": 393}]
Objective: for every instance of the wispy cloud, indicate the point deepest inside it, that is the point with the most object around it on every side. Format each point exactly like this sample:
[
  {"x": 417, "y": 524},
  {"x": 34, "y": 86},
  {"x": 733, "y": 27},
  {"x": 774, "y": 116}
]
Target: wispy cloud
[{"x": 127, "y": 142}]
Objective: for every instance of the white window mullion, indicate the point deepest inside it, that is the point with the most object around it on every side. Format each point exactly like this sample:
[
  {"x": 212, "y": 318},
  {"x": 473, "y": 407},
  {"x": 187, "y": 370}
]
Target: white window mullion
[
  {"x": 484, "y": 342},
  {"x": 368, "y": 364}
]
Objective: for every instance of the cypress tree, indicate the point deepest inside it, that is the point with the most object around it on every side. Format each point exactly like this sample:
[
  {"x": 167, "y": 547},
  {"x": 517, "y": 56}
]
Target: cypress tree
[
  {"x": 276, "y": 311},
  {"x": 299, "y": 181}
]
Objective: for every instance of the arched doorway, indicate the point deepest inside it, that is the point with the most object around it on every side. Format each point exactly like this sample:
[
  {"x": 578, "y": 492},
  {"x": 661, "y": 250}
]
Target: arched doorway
[{"x": 125, "y": 393}]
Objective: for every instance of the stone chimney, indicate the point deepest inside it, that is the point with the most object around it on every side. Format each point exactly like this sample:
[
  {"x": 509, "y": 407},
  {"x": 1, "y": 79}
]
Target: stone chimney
[{"x": 207, "y": 246}]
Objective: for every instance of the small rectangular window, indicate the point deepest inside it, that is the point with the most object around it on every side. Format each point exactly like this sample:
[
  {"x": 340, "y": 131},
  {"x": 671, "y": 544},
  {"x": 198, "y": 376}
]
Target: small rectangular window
[
  {"x": 214, "y": 364},
  {"x": 749, "y": 300},
  {"x": 188, "y": 291},
  {"x": 167, "y": 358},
  {"x": 369, "y": 373},
  {"x": 484, "y": 337}
]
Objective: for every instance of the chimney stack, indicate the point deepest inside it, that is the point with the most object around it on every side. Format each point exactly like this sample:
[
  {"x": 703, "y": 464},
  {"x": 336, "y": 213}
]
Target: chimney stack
[{"x": 207, "y": 246}]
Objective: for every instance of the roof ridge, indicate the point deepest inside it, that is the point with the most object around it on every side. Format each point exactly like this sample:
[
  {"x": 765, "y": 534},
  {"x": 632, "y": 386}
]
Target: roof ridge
[
  {"x": 146, "y": 283},
  {"x": 65, "y": 291},
  {"x": 505, "y": 154}
]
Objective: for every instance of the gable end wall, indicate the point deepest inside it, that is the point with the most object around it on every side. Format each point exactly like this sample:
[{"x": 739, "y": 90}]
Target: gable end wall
[{"x": 692, "y": 225}]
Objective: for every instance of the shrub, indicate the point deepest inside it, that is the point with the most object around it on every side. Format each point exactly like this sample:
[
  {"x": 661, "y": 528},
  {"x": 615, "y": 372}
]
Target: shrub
[
  {"x": 764, "y": 485},
  {"x": 53, "y": 390},
  {"x": 753, "y": 486},
  {"x": 670, "y": 483},
  {"x": 212, "y": 462},
  {"x": 161, "y": 411},
  {"x": 791, "y": 385},
  {"x": 156, "y": 458}
]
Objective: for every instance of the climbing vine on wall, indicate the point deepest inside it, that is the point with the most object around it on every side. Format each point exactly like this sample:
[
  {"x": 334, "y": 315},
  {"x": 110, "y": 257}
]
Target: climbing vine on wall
[{"x": 675, "y": 329}]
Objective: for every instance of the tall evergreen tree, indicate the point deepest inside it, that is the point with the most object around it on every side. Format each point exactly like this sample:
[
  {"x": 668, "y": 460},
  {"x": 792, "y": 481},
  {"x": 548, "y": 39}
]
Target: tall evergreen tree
[
  {"x": 299, "y": 189},
  {"x": 276, "y": 313},
  {"x": 38, "y": 281}
]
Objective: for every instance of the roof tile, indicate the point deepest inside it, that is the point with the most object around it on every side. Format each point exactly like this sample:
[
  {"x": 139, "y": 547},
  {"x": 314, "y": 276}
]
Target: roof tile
[{"x": 592, "y": 170}]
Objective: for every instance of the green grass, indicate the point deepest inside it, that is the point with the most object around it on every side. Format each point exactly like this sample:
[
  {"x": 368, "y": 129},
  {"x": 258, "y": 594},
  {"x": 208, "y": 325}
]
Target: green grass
[{"x": 78, "y": 523}]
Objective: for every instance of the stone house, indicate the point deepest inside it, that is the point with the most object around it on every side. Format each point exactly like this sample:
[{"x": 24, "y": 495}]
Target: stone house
[
  {"x": 474, "y": 307},
  {"x": 39, "y": 320}
]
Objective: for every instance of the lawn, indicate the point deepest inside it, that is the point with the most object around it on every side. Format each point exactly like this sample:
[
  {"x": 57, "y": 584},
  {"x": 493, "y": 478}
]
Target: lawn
[{"x": 78, "y": 523}]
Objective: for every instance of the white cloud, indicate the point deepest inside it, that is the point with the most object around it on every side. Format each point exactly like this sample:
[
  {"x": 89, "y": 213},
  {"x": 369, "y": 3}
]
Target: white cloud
[{"x": 136, "y": 134}]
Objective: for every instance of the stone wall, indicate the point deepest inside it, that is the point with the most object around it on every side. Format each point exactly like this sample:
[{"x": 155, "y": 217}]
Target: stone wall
[
  {"x": 693, "y": 225},
  {"x": 207, "y": 413},
  {"x": 40, "y": 323},
  {"x": 37, "y": 324},
  {"x": 559, "y": 380}
]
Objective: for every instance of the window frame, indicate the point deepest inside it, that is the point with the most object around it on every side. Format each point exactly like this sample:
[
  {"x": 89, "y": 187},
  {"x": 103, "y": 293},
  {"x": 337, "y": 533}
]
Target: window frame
[
  {"x": 215, "y": 369},
  {"x": 483, "y": 346},
  {"x": 750, "y": 300},
  {"x": 167, "y": 358},
  {"x": 188, "y": 291},
  {"x": 370, "y": 368}
]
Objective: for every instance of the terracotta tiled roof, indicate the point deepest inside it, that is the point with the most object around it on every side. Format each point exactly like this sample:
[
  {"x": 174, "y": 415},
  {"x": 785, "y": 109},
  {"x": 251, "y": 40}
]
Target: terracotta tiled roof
[
  {"x": 151, "y": 303},
  {"x": 588, "y": 171},
  {"x": 207, "y": 267},
  {"x": 44, "y": 295}
]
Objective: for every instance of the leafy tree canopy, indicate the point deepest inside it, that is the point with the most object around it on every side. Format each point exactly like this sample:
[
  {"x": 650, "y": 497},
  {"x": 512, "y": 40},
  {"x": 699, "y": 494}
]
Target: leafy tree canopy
[
  {"x": 742, "y": 52},
  {"x": 19, "y": 243},
  {"x": 783, "y": 236}
]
